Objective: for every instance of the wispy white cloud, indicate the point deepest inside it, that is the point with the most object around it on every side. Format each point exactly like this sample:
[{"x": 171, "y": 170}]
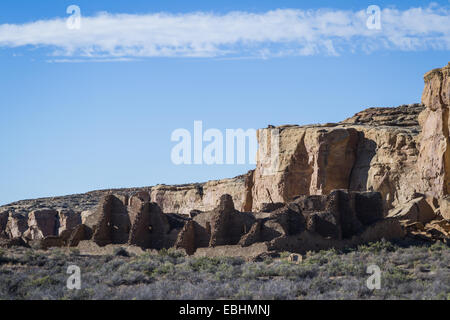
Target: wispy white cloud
[
  {"x": 236, "y": 34},
  {"x": 83, "y": 60}
]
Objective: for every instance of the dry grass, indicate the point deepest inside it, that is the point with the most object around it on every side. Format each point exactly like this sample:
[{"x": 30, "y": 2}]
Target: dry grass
[{"x": 408, "y": 272}]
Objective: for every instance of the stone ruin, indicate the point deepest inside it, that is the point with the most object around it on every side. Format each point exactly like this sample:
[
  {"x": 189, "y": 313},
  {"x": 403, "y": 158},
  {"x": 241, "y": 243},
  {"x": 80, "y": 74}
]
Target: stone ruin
[{"x": 383, "y": 173}]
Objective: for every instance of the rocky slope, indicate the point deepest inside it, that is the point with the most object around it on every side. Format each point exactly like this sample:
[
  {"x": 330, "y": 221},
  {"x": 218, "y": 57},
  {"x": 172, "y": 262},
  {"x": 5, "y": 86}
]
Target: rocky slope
[{"x": 392, "y": 166}]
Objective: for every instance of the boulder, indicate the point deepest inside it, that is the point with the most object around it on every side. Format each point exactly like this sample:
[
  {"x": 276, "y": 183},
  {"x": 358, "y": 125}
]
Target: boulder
[
  {"x": 416, "y": 210},
  {"x": 445, "y": 207}
]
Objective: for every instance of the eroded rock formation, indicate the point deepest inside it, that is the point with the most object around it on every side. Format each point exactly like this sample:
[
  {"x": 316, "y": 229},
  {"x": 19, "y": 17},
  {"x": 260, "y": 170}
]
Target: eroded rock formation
[
  {"x": 434, "y": 149},
  {"x": 382, "y": 173},
  {"x": 311, "y": 160}
]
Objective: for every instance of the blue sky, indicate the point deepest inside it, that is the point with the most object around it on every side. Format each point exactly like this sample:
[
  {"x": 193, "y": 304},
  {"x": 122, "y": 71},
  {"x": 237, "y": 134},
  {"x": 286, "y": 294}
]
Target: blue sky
[{"x": 74, "y": 116}]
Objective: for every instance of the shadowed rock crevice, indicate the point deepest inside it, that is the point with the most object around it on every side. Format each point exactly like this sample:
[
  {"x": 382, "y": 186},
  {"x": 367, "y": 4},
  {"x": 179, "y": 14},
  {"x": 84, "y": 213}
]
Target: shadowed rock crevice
[{"x": 359, "y": 176}]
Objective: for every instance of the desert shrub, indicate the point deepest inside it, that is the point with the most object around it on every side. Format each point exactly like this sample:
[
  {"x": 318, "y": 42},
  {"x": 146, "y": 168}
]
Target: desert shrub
[
  {"x": 171, "y": 252},
  {"x": 75, "y": 251},
  {"x": 438, "y": 246},
  {"x": 121, "y": 252},
  {"x": 377, "y": 247},
  {"x": 408, "y": 272},
  {"x": 206, "y": 264}
]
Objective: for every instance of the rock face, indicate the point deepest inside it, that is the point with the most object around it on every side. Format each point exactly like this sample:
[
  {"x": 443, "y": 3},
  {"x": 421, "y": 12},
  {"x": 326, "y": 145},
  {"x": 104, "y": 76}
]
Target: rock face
[
  {"x": 385, "y": 172},
  {"x": 375, "y": 150},
  {"x": 311, "y": 160},
  {"x": 204, "y": 196},
  {"x": 386, "y": 163},
  {"x": 434, "y": 148}
]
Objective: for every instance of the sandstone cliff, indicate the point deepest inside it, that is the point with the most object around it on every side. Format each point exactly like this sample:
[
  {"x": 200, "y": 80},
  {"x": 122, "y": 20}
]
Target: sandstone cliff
[
  {"x": 433, "y": 165},
  {"x": 380, "y": 173},
  {"x": 375, "y": 150}
]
